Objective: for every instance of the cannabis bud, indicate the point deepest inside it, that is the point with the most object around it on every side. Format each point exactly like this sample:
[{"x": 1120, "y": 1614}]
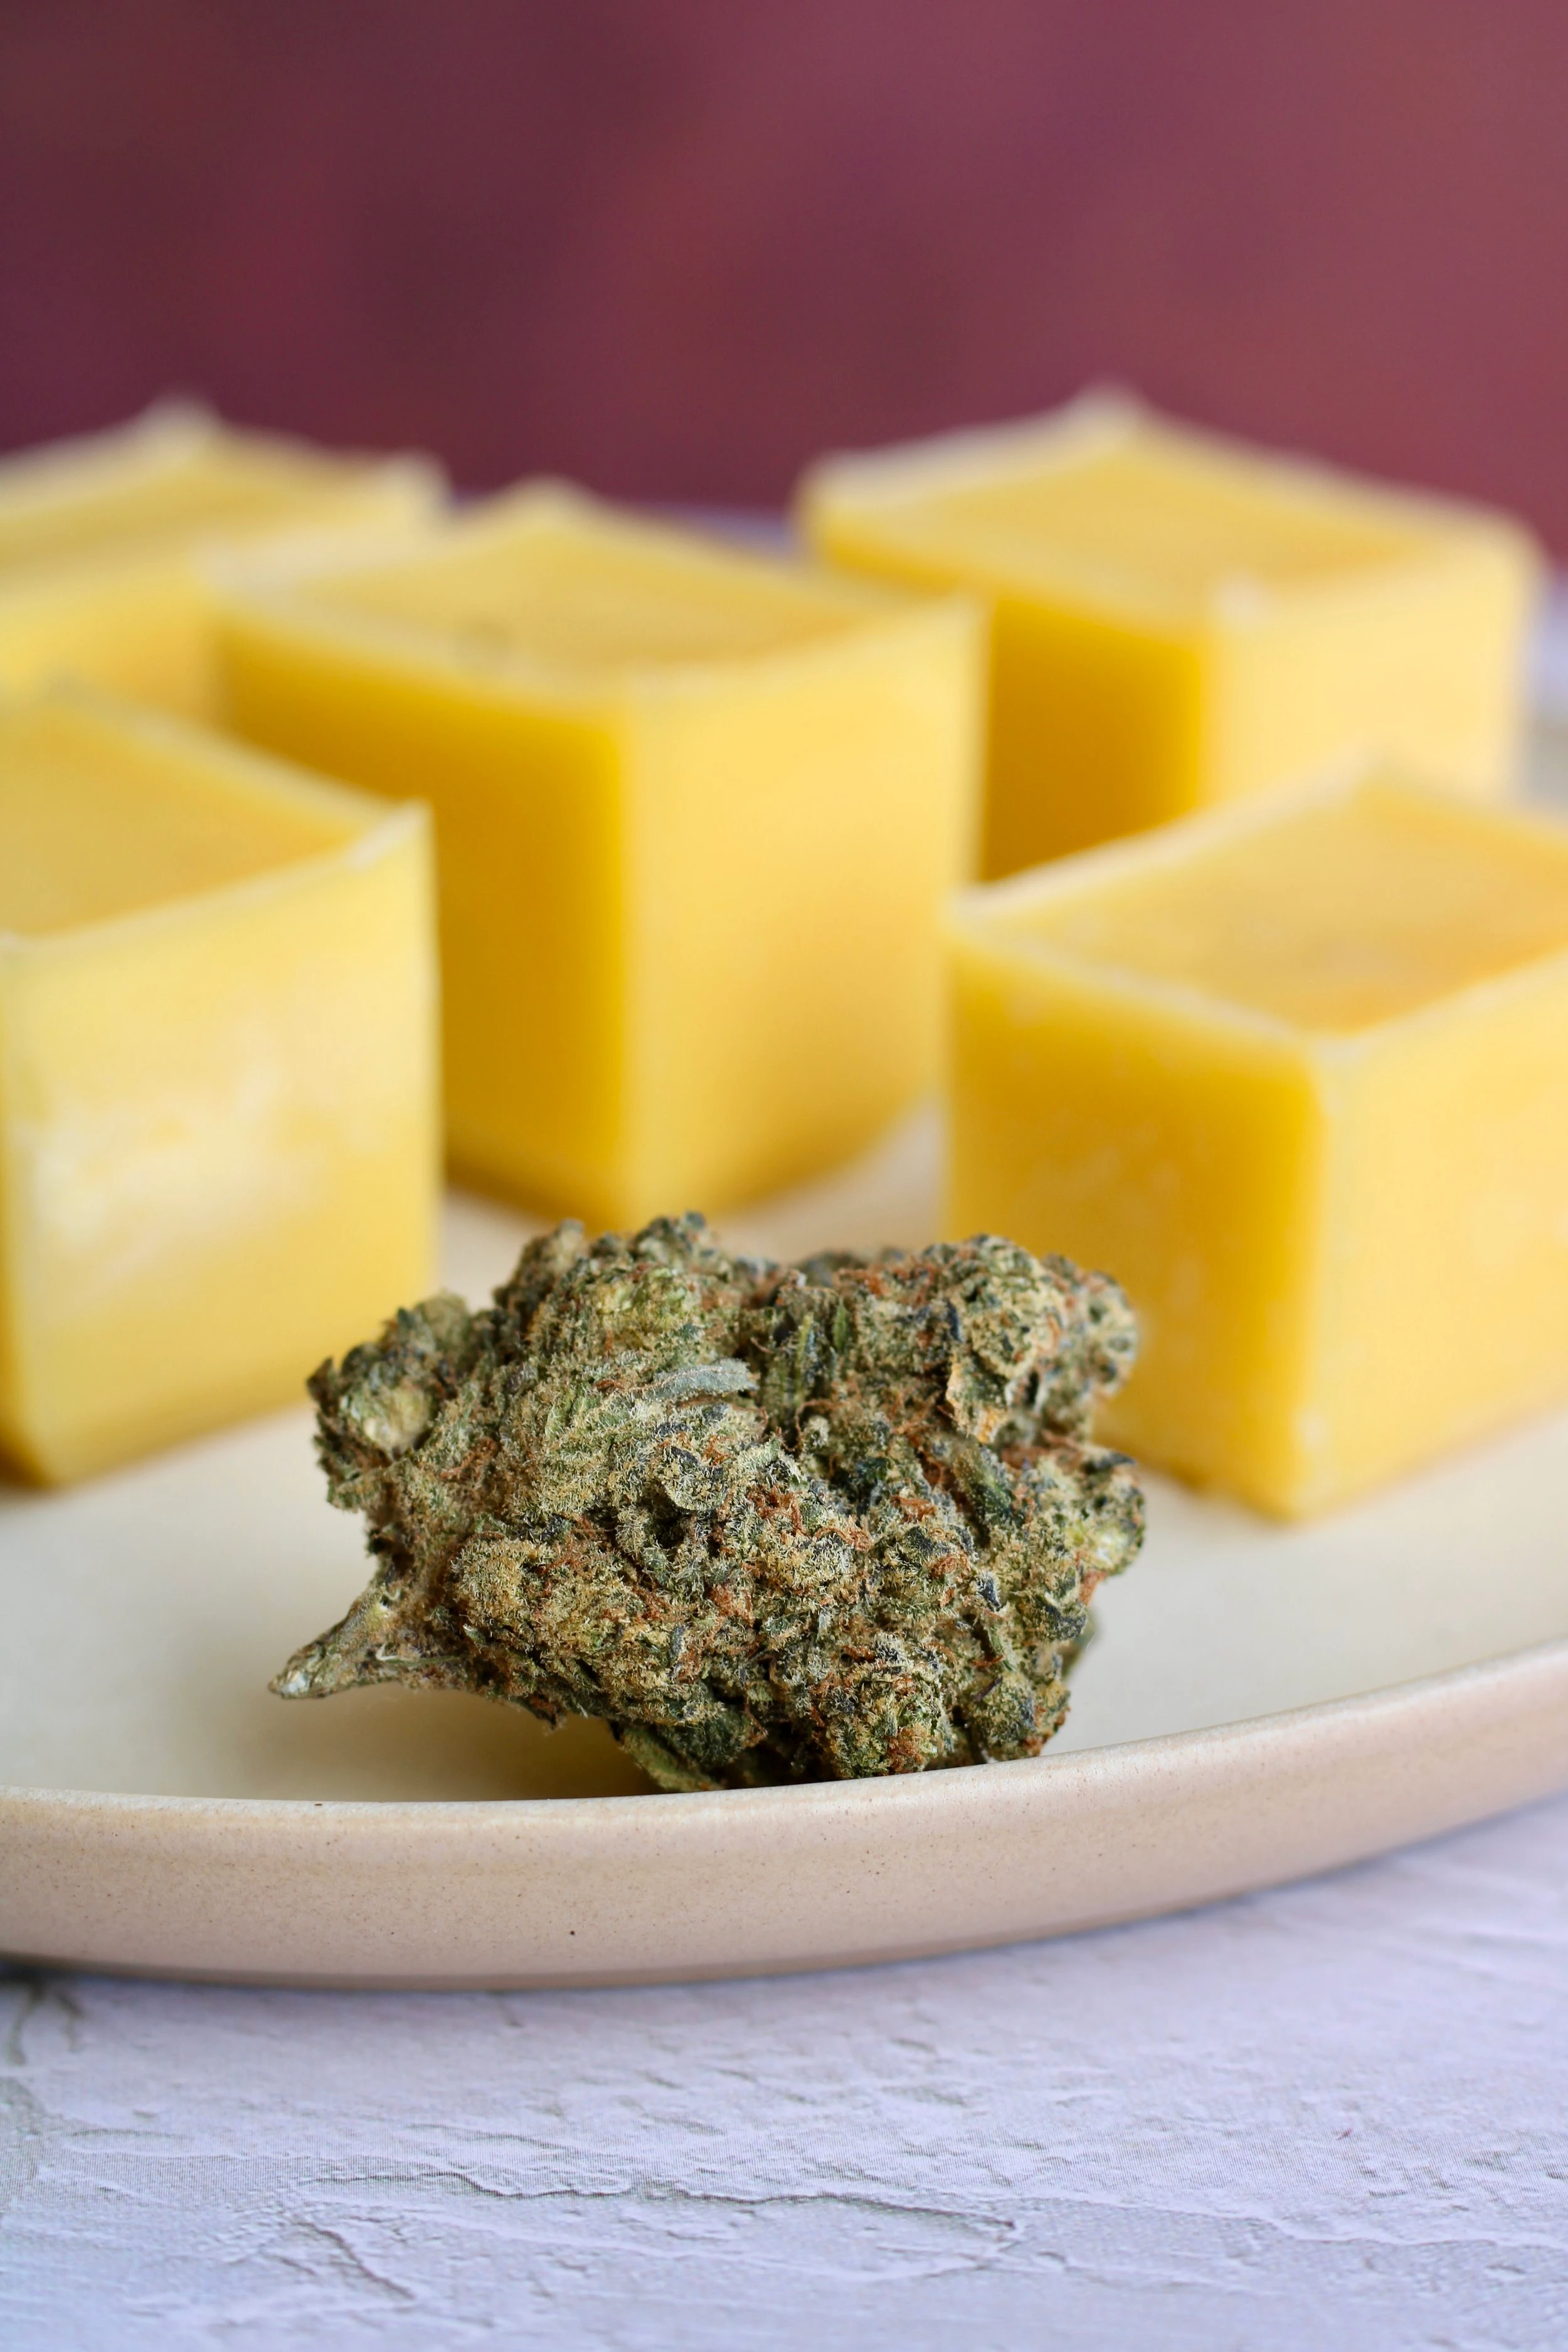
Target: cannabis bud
[{"x": 772, "y": 1523}]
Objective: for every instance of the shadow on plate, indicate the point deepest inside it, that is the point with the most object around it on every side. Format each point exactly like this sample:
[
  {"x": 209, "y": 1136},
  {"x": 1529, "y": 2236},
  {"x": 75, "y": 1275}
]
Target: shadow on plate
[{"x": 387, "y": 1744}]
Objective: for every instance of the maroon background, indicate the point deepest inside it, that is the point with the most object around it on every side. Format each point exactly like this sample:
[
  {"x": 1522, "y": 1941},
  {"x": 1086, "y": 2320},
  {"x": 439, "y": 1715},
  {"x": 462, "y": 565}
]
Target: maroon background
[{"x": 674, "y": 246}]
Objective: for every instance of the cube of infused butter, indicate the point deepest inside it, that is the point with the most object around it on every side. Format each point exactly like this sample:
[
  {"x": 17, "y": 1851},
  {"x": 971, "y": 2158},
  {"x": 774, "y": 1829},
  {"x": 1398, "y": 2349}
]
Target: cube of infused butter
[
  {"x": 1297, "y": 1074},
  {"x": 696, "y": 813},
  {"x": 1179, "y": 620},
  {"x": 218, "y": 1139},
  {"x": 101, "y": 543}
]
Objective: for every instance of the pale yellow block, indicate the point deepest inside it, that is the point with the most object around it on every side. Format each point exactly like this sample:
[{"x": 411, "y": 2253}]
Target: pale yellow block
[
  {"x": 696, "y": 810},
  {"x": 1179, "y": 620},
  {"x": 1297, "y": 1074},
  {"x": 104, "y": 540},
  {"x": 218, "y": 1120}
]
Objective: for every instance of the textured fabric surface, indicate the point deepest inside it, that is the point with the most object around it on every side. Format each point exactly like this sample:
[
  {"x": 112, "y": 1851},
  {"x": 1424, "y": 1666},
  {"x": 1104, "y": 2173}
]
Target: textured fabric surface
[{"x": 1334, "y": 2113}]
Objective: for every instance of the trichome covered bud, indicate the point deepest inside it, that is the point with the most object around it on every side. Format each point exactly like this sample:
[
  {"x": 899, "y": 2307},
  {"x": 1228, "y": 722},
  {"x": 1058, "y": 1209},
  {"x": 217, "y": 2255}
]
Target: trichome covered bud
[{"x": 771, "y": 1523}]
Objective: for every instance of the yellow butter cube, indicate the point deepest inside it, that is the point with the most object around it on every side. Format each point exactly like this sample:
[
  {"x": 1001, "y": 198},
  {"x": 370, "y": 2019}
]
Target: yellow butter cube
[
  {"x": 696, "y": 813},
  {"x": 1178, "y": 619},
  {"x": 102, "y": 544},
  {"x": 1297, "y": 1074},
  {"x": 219, "y": 1135}
]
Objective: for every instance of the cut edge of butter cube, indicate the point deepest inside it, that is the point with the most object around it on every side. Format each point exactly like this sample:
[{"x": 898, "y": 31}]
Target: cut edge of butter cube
[
  {"x": 351, "y": 591},
  {"x": 1383, "y": 1133},
  {"x": 1177, "y": 619},
  {"x": 103, "y": 540},
  {"x": 219, "y": 1127},
  {"x": 892, "y": 489},
  {"x": 986, "y": 908},
  {"x": 728, "y": 790}
]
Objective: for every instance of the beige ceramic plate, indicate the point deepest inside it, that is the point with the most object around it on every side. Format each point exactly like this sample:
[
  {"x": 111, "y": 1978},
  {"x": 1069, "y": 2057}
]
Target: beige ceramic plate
[{"x": 1261, "y": 1703}]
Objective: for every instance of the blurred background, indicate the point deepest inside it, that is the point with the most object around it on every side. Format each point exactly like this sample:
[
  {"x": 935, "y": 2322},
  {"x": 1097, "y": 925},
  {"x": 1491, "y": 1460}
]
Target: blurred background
[{"x": 674, "y": 248}]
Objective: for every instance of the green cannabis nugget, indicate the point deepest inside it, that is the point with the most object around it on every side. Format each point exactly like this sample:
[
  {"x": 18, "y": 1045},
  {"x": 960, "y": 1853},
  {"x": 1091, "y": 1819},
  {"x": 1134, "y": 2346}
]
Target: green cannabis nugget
[{"x": 771, "y": 1523}]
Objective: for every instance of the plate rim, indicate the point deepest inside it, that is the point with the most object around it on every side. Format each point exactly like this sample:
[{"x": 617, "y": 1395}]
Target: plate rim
[
  {"x": 461, "y": 1893},
  {"x": 869, "y": 1789}
]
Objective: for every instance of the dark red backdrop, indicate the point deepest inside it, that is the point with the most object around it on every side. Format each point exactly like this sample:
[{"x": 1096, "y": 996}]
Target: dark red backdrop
[{"x": 673, "y": 246}]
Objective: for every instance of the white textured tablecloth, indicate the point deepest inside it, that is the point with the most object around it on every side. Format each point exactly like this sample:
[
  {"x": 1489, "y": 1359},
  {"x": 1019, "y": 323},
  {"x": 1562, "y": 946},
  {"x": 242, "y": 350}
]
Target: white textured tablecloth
[{"x": 1335, "y": 2116}]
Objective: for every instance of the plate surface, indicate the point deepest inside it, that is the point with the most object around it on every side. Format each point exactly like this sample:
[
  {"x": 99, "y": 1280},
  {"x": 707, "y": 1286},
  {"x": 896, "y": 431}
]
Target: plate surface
[{"x": 1260, "y": 1702}]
